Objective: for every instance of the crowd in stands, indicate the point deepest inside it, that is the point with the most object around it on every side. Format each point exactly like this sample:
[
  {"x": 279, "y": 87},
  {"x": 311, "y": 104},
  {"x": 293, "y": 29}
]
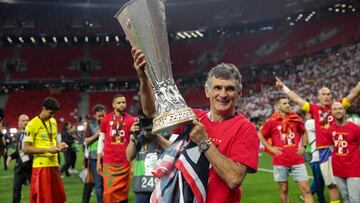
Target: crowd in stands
[{"x": 337, "y": 70}]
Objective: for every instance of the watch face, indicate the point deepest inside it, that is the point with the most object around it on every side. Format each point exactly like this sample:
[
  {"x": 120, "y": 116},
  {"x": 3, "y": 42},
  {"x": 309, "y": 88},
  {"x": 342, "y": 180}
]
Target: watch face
[{"x": 204, "y": 146}]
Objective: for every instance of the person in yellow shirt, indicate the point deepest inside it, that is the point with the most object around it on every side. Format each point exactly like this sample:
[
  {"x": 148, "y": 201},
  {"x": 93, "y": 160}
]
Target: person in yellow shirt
[{"x": 40, "y": 140}]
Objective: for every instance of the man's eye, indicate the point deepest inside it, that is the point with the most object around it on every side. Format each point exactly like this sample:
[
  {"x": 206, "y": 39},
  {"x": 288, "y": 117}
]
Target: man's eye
[{"x": 230, "y": 89}]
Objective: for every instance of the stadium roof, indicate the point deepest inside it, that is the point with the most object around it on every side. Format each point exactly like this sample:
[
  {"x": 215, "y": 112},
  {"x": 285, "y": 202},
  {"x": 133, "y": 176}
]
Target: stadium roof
[{"x": 209, "y": 14}]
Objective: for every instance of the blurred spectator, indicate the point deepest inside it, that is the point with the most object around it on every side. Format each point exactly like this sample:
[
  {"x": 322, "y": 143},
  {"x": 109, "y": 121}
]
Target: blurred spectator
[{"x": 70, "y": 153}]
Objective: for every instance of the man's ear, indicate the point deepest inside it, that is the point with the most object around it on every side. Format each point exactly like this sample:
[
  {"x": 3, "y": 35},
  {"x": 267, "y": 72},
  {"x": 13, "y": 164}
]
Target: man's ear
[{"x": 207, "y": 93}]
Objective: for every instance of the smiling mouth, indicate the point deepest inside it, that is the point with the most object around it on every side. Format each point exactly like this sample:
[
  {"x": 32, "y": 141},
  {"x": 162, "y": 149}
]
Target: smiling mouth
[{"x": 222, "y": 102}]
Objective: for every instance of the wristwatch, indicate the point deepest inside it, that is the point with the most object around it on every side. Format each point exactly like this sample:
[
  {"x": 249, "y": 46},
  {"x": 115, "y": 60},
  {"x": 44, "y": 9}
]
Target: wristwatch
[{"x": 204, "y": 145}]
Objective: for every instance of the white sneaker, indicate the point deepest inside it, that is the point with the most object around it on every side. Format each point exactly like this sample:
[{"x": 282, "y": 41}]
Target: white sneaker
[{"x": 73, "y": 171}]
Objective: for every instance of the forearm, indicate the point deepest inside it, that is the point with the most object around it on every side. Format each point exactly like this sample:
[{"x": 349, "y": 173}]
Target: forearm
[
  {"x": 304, "y": 139},
  {"x": 293, "y": 96},
  {"x": 229, "y": 171},
  {"x": 131, "y": 151},
  {"x": 34, "y": 150},
  {"x": 263, "y": 140},
  {"x": 147, "y": 97},
  {"x": 99, "y": 157},
  {"x": 353, "y": 93}
]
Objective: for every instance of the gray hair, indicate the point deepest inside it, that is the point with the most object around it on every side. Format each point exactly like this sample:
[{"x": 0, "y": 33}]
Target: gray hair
[{"x": 225, "y": 71}]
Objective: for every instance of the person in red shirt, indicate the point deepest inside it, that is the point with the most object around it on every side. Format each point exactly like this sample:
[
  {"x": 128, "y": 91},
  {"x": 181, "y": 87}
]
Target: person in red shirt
[
  {"x": 323, "y": 120},
  {"x": 287, "y": 133},
  {"x": 113, "y": 140},
  {"x": 229, "y": 141},
  {"x": 345, "y": 137}
]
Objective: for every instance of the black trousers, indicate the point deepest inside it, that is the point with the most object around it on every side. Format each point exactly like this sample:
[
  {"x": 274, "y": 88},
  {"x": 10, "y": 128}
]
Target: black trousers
[
  {"x": 87, "y": 192},
  {"x": 5, "y": 156},
  {"x": 20, "y": 178},
  {"x": 70, "y": 157}
]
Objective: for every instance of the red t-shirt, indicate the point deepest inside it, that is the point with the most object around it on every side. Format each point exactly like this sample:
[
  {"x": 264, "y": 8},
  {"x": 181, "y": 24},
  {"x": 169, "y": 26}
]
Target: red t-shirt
[
  {"x": 346, "y": 154},
  {"x": 236, "y": 139},
  {"x": 323, "y": 120},
  {"x": 117, "y": 137},
  {"x": 289, "y": 143}
]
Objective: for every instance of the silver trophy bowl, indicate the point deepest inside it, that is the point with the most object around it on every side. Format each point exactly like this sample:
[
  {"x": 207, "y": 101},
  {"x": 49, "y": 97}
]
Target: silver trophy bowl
[{"x": 144, "y": 24}]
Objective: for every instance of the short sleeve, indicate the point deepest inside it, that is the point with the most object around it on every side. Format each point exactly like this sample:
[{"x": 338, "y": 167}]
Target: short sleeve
[
  {"x": 265, "y": 131},
  {"x": 29, "y": 133},
  {"x": 245, "y": 149}
]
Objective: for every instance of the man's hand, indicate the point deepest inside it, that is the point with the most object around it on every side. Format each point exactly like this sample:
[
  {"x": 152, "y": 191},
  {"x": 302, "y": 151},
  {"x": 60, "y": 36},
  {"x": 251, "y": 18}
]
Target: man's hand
[
  {"x": 63, "y": 146},
  {"x": 198, "y": 133},
  {"x": 275, "y": 150},
  {"x": 139, "y": 61},
  {"x": 301, "y": 150},
  {"x": 279, "y": 84},
  {"x": 99, "y": 168},
  {"x": 135, "y": 128},
  {"x": 53, "y": 149}
]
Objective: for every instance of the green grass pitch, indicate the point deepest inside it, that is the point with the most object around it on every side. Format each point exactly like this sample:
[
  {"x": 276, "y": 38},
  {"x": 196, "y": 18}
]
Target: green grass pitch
[{"x": 257, "y": 188}]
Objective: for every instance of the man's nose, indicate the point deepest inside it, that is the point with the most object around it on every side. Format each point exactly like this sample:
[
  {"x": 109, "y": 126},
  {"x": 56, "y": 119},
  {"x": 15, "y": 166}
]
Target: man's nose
[{"x": 223, "y": 92}]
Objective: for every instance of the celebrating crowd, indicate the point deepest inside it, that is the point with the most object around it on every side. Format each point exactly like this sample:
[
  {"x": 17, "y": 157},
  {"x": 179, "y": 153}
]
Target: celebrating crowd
[{"x": 222, "y": 141}]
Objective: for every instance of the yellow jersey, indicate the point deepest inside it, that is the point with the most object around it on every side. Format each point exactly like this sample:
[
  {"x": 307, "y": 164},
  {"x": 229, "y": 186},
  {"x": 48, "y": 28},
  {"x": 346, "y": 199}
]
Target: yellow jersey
[{"x": 37, "y": 134}]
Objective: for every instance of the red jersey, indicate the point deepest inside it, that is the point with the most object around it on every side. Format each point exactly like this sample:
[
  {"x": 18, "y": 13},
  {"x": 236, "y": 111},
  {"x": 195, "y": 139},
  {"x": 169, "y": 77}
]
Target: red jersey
[
  {"x": 289, "y": 142},
  {"x": 117, "y": 137},
  {"x": 235, "y": 138},
  {"x": 346, "y": 154},
  {"x": 323, "y": 119}
]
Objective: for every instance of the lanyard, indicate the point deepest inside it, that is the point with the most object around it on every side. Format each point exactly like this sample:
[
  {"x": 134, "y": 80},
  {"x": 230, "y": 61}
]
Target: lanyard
[
  {"x": 21, "y": 138},
  {"x": 47, "y": 130},
  {"x": 118, "y": 125}
]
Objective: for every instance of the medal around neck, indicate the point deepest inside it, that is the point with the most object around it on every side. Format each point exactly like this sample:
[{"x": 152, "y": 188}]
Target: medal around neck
[{"x": 144, "y": 25}]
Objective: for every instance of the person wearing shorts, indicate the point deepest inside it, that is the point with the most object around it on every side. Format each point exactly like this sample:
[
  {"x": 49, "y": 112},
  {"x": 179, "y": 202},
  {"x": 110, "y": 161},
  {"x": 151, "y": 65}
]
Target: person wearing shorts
[
  {"x": 284, "y": 137},
  {"x": 321, "y": 114}
]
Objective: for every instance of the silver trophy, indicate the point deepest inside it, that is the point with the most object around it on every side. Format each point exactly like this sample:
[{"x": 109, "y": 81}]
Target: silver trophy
[{"x": 144, "y": 24}]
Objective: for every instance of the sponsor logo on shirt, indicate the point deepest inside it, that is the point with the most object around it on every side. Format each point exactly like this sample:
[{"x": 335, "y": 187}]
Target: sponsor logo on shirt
[
  {"x": 288, "y": 139},
  {"x": 340, "y": 143}
]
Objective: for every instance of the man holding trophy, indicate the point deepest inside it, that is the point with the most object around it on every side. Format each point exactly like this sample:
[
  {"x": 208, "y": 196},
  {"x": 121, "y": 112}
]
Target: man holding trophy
[{"x": 226, "y": 138}]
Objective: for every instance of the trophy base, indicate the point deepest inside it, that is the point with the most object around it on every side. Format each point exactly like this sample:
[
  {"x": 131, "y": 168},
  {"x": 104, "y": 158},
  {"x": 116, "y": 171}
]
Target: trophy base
[{"x": 171, "y": 120}]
